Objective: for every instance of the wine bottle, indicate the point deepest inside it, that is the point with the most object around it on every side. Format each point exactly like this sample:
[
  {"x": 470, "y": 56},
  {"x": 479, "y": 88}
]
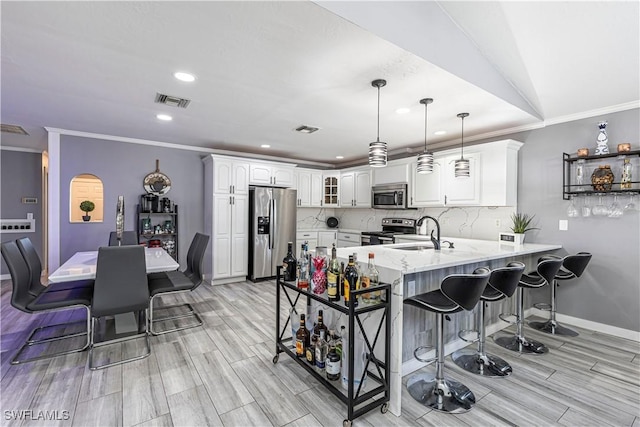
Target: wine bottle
[
  {"x": 350, "y": 283},
  {"x": 333, "y": 275},
  {"x": 302, "y": 338},
  {"x": 319, "y": 327},
  {"x": 369, "y": 279},
  {"x": 289, "y": 264},
  {"x": 322, "y": 348},
  {"x": 303, "y": 269}
]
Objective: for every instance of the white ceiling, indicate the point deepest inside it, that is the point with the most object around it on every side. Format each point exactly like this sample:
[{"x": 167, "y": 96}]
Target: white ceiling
[{"x": 264, "y": 68}]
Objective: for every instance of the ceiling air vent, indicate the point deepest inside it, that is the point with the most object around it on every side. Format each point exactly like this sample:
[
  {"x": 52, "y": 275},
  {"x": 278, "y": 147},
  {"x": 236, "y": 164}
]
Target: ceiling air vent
[
  {"x": 306, "y": 129},
  {"x": 172, "y": 101},
  {"x": 18, "y": 130}
]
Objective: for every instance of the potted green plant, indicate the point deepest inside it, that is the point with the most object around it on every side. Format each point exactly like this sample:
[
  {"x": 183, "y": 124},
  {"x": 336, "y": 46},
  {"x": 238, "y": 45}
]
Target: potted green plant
[
  {"x": 87, "y": 206},
  {"x": 521, "y": 224}
]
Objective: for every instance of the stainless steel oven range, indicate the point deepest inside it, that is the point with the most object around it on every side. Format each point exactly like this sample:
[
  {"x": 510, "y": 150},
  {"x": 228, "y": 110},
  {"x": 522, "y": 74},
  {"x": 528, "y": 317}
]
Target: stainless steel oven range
[{"x": 390, "y": 227}]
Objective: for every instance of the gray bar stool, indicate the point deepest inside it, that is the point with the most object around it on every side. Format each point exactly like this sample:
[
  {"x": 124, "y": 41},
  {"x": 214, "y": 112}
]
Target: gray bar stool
[
  {"x": 457, "y": 292},
  {"x": 546, "y": 270},
  {"x": 572, "y": 267},
  {"x": 503, "y": 283}
]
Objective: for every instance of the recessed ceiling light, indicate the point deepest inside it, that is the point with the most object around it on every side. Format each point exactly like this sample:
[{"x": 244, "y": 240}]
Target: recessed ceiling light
[
  {"x": 165, "y": 117},
  {"x": 265, "y": 146},
  {"x": 339, "y": 157},
  {"x": 184, "y": 77},
  {"x": 440, "y": 132},
  {"x": 403, "y": 110}
]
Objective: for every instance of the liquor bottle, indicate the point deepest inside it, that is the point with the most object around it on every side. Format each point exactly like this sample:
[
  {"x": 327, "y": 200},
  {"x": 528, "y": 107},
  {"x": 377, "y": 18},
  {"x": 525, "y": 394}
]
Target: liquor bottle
[
  {"x": 333, "y": 276},
  {"x": 332, "y": 365},
  {"x": 625, "y": 181},
  {"x": 289, "y": 264},
  {"x": 319, "y": 327},
  {"x": 350, "y": 283},
  {"x": 310, "y": 353},
  {"x": 303, "y": 269},
  {"x": 302, "y": 338},
  {"x": 358, "y": 270},
  {"x": 369, "y": 279},
  {"x": 322, "y": 349}
]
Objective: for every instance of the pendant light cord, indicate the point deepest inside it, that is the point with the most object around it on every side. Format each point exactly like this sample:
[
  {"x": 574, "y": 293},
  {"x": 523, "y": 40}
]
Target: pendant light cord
[
  {"x": 378, "y": 136},
  {"x": 462, "y": 141}
]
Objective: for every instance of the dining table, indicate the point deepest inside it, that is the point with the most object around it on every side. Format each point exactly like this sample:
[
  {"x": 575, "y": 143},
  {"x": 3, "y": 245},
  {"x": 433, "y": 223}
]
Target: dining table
[{"x": 82, "y": 266}]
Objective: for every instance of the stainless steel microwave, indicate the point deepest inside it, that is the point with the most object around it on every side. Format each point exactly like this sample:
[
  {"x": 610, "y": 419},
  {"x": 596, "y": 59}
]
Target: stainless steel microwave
[{"x": 389, "y": 196}]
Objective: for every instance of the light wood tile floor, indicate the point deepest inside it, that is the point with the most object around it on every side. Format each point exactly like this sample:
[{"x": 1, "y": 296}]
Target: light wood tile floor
[{"x": 221, "y": 374}]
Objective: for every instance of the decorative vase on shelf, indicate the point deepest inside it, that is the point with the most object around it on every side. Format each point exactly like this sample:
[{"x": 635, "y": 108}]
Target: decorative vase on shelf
[
  {"x": 602, "y": 178},
  {"x": 602, "y": 140}
]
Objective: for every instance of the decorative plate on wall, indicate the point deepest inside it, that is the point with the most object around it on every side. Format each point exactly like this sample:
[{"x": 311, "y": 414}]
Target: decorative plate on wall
[{"x": 156, "y": 182}]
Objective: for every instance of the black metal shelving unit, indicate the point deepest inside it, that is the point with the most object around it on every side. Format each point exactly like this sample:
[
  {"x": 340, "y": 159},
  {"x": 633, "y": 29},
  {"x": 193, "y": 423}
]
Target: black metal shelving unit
[
  {"x": 569, "y": 189},
  {"x": 358, "y": 401},
  {"x": 159, "y": 216}
]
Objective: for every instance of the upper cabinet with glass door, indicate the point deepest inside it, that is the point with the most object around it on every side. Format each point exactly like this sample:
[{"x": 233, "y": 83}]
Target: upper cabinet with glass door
[{"x": 331, "y": 189}]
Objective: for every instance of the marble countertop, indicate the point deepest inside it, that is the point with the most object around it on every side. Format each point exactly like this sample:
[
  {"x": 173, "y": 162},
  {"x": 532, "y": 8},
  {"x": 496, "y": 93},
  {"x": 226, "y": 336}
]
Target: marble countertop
[
  {"x": 344, "y": 230},
  {"x": 465, "y": 251}
]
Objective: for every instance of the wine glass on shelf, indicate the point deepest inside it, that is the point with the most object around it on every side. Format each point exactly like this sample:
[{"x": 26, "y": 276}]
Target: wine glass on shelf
[
  {"x": 600, "y": 209},
  {"x": 572, "y": 211},
  {"x": 615, "y": 210},
  {"x": 586, "y": 208},
  {"x": 631, "y": 205}
]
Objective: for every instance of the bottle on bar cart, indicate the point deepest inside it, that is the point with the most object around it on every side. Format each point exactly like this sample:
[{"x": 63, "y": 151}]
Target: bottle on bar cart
[
  {"x": 322, "y": 349},
  {"x": 369, "y": 279},
  {"x": 303, "y": 268},
  {"x": 302, "y": 339},
  {"x": 333, "y": 277},
  {"x": 319, "y": 327},
  {"x": 350, "y": 283},
  {"x": 289, "y": 265}
]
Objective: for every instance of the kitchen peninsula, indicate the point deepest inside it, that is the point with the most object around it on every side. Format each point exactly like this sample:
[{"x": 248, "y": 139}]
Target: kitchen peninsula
[{"x": 412, "y": 271}]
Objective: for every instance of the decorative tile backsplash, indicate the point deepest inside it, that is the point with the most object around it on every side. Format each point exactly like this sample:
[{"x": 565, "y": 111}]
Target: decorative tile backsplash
[{"x": 466, "y": 222}]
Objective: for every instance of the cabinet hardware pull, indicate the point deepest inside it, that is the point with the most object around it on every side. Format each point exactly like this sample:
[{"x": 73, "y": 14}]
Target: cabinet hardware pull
[{"x": 230, "y": 200}]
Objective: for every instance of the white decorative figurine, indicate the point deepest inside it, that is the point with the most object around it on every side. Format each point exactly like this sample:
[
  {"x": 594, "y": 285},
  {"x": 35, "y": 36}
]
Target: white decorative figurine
[{"x": 602, "y": 140}]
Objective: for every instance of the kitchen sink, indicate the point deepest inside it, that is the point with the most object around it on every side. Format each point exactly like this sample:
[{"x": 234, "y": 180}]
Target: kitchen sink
[{"x": 415, "y": 248}]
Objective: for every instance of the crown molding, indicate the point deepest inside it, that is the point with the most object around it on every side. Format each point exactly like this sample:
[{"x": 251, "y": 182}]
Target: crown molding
[{"x": 23, "y": 149}]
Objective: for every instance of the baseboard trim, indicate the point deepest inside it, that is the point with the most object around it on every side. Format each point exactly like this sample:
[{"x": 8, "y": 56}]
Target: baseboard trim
[
  {"x": 594, "y": 326},
  {"x": 413, "y": 365},
  {"x": 5, "y": 276},
  {"x": 227, "y": 280}
]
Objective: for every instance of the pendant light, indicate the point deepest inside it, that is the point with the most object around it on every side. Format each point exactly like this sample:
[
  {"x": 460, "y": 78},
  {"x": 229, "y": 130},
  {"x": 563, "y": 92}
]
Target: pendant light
[
  {"x": 378, "y": 149},
  {"x": 425, "y": 160},
  {"x": 462, "y": 164}
]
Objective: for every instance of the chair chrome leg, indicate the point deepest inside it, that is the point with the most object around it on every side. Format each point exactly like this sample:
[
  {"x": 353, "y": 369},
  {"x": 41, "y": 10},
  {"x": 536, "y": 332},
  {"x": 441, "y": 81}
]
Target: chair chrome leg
[
  {"x": 32, "y": 343},
  {"x": 93, "y": 345},
  {"x": 551, "y": 326},
  {"x": 190, "y": 313},
  {"x": 439, "y": 393},
  {"x": 479, "y": 362},
  {"x": 519, "y": 342}
]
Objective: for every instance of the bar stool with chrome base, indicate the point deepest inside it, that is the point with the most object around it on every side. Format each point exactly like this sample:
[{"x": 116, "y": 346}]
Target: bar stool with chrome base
[
  {"x": 457, "y": 292},
  {"x": 546, "y": 270},
  {"x": 502, "y": 284},
  {"x": 572, "y": 267}
]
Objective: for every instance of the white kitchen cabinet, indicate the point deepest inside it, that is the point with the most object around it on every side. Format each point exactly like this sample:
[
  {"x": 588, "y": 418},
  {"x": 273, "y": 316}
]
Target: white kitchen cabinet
[
  {"x": 331, "y": 189},
  {"x": 493, "y": 180},
  {"x": 346, "y": 239},
  {"x": 309, "y": 186},
  {"x": 396, "y": 171},
  {"x": 306, "y": 236},
  {"x": 271, "y": 174},
  {"x": 328, "y": 239},
  {"x": 226, "y": 217},
  {"x": 355, "y": 189}
]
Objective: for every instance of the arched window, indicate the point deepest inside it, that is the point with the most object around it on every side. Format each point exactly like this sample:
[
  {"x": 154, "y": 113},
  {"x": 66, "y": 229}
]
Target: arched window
[{"x": 86, "y": 187}]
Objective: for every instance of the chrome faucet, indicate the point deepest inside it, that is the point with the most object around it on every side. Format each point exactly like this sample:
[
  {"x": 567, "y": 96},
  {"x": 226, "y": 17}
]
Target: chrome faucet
[{"x": 435, "y": 241}]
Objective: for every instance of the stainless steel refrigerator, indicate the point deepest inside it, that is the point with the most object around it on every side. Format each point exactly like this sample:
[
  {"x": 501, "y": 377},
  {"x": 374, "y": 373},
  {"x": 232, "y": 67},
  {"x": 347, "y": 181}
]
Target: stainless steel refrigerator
[{"x": 272, "y": 224}]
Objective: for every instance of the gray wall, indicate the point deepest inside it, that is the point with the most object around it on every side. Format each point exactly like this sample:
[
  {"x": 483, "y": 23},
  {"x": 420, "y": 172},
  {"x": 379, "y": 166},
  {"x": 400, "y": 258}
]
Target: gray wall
[
  {"x": 21, "y": 176},
  {"x": 122, "y": 167},
  {"x": 609, "y": 291}
]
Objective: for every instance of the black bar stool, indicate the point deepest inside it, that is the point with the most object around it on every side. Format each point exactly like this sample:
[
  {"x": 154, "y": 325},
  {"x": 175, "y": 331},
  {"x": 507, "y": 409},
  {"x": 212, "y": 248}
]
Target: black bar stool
[
  {"x": 546, "y": 270},
  {"x": 457, "y": 292},
  {"x": 503, "y": 282},
  {"x": 572, "y": 267}
]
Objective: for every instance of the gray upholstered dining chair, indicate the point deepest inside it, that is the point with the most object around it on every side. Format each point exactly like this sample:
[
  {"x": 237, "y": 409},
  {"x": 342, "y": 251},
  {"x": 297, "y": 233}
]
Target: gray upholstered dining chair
[
  {"x": 30, "y": 255},
  {"x": 172, "y": 282},
  {"x": 128, "y": 238},
  {"x": 121, "y": 287},
  {"x": 45, "y": 301}
]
